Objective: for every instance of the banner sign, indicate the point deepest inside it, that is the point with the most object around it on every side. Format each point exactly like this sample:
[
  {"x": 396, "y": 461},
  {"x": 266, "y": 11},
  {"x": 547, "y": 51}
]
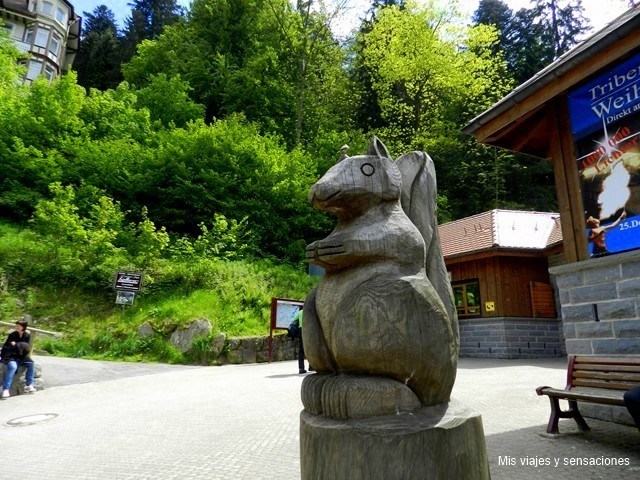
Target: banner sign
[{"x": 605, "y": 123}]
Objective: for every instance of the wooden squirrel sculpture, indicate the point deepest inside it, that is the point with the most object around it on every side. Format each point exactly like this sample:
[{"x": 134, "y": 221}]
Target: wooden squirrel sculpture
[{"x": 381, "y": 328}]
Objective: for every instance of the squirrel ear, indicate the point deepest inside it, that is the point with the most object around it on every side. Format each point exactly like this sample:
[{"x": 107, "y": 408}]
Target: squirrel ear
[{"x": 377, "y": 149}]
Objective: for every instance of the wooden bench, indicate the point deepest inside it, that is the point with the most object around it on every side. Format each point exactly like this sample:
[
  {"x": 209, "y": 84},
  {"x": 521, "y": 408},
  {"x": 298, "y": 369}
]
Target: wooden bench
[{"x": 595, "y": 380}]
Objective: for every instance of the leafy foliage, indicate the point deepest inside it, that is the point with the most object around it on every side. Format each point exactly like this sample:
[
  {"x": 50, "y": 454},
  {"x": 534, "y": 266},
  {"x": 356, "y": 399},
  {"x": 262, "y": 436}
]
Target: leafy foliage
[
  {"x": 195, "y": 170},
  {"x": 234, "y": 295}
]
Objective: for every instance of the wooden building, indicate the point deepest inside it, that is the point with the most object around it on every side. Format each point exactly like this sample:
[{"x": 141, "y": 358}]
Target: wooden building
[{"x": 498, "y": 262}]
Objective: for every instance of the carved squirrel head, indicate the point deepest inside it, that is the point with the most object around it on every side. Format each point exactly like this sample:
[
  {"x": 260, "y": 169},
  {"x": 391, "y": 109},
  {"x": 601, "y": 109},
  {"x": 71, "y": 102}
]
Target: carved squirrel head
[{"x": 355, "y": 184}]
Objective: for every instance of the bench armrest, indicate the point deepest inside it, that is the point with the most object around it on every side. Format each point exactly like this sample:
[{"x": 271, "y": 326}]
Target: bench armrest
[{"x": 540, "y": 390}]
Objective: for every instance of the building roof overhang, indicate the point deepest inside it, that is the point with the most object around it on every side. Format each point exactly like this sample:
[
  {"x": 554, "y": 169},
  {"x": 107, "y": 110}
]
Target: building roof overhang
[
  {"x": 503, "y": 252},
  {"x": 519, "y": 122}
]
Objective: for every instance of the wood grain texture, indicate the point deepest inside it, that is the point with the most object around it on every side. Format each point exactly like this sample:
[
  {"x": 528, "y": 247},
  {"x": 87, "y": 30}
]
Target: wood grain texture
[
  {"x": 385, "y": 306},
  {"x": 441, "y": 442},
  {"x": 356, "y": 396}
]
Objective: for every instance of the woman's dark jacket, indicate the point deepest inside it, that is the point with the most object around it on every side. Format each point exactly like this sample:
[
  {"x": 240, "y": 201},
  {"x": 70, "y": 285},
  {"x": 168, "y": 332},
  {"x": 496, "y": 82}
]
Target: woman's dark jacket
[{"x": 18, "y": 352}]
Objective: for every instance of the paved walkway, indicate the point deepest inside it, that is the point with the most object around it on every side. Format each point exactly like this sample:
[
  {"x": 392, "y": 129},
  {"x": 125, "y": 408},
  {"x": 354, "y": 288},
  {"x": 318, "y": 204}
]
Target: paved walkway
[{"x": 133, "y": 421}]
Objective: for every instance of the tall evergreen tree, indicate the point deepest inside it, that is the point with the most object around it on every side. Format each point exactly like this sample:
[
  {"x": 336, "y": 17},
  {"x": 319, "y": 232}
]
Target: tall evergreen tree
[
  {"x": 496, "y": 13},
  {"x": 147, "y": 21},
  {"x": 563, "y": 24},
  {"x": 532, "y": 38},
  {"x": 98, "y": 60}
]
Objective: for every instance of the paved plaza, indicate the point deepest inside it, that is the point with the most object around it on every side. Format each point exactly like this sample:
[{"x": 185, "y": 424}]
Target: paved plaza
[{"x": 134, "y": 421}]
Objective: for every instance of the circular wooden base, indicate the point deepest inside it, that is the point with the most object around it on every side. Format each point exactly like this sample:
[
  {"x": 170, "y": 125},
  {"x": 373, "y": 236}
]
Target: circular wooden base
[{"x": 440, "y": 442}]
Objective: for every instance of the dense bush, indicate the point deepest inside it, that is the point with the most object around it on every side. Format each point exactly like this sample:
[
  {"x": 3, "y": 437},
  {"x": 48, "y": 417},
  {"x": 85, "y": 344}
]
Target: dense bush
[{"x": 61, "y": 270}]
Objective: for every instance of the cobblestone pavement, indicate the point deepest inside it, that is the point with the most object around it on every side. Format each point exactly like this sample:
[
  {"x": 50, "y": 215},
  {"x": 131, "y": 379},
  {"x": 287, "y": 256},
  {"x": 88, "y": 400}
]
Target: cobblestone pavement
[{"x": 241, "y": 422}]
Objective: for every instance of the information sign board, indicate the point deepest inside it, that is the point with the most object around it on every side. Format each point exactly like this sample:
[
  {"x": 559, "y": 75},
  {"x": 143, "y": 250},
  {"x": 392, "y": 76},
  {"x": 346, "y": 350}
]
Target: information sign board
[
  {"x": 125, "y": 281},
  {"x": 125, "y": 298},
  {"x": 282, "y": 312}
]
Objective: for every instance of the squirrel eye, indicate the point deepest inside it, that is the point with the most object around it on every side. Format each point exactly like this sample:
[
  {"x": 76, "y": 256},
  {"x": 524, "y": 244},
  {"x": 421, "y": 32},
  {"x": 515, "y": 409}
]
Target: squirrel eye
[{"x": 367, "y": 169}]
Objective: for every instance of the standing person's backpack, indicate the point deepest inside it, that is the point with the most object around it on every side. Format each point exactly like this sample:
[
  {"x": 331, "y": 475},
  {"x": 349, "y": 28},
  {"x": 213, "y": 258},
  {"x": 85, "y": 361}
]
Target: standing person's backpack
[{"x": 293, "y": 331}]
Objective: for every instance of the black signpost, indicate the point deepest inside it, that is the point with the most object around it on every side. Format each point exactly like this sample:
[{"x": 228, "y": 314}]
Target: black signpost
[{"x": 126, "y": 284}]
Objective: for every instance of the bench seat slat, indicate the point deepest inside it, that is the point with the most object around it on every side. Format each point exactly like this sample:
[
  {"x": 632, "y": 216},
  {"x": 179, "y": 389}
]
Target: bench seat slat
[
  {"x": 600, "y": 367},
  {"x": 593, "y": 395},
  {"x": 623, "y": 376},
  {"x": 634, "y": 361},
  {"x": 603, "y": 384}
]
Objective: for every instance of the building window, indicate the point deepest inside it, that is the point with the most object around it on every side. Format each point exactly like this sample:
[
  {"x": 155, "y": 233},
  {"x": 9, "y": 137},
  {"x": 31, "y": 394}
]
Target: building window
[
  {"x": 8, "y": 27},
  {"x": 42, "y": 37},
  {"x": 54, "y": 46},
  {"x": 35, "y": 69},
  {"x": 60, "y": 16},
  {"x": 467, "y": 297},
  {"x": 28, "y": 35},
  {"x": 47, "y": 8},
  {"x": 49, "y": 72}
]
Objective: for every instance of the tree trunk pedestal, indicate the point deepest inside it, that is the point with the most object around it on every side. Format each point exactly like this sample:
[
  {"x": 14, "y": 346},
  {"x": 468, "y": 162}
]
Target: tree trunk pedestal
[{"x": 440, "y": 442}]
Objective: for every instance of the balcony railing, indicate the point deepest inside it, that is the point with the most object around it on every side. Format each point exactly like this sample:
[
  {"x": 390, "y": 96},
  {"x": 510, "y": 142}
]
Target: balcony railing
[{"x": 22, "y": 46}]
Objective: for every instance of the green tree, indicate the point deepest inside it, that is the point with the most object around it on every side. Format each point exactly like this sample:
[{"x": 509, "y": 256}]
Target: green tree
[
  {"x": 147, "y": 21},
  {"x": 430, "y": 78},
  {"x": 315, "y": 60},
  {"x": 278, "y": 66},
  {"x": 98, "y": 60},
  {"x": 427, "y": 73},
  {"x": 564, "y": 21},
  {"x": 498, "y": 14},
  {"x": 115, "y": 115},
  {"x": 168, "y": 101},
  {"x": 209, "y": 51},
  {"x": 10, "y": 71},
  {"x": 38, "y": 126},
  {"x": 532, "y": 38},
  {"x": 59, "y": 216},
  {"x": 229, "y": 168}
]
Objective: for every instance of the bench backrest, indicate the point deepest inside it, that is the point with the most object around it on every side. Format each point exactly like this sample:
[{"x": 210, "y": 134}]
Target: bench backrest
[{"x": 603, "y": 372}]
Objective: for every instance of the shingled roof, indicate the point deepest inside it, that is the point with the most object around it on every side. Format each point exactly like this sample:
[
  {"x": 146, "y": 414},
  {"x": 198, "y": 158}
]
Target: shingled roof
[
  {"x": 16, "y": 5},
  {"x": 500, "y": 229}
]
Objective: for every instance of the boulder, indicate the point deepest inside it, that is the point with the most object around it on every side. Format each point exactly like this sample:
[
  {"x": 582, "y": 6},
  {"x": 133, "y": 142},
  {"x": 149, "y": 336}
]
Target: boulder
[
  {"x": 146, "y": 330},
  {"x": 183, "y": 339}
]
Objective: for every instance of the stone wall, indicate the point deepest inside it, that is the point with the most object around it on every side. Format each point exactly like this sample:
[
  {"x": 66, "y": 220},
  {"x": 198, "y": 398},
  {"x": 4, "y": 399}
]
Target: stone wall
[
  {"x": 256, "y": 350},
  {"x": 600, "y": 305},
  {"x": 506, "y": 337}
]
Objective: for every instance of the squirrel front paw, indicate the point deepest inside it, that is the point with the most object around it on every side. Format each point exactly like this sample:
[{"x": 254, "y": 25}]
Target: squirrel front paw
[{"x": 325, "y": 252}]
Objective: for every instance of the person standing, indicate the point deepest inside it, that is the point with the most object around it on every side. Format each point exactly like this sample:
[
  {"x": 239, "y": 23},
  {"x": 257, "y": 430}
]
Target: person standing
[
  {"x": 298, "y": 319},
  {"x": 15, "y": 352}
]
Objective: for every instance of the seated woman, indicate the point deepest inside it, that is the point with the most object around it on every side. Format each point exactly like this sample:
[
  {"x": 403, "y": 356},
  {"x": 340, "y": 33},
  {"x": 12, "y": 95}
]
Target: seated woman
[{"x": 15, "y": 352}]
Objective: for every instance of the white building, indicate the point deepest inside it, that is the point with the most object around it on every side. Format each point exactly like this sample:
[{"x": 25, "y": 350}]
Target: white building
[{"x": 48, "y": 30}]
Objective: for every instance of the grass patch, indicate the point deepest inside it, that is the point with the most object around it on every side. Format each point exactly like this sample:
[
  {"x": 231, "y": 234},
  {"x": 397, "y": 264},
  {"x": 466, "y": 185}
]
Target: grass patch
[{"x": 235, "y": 296}]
